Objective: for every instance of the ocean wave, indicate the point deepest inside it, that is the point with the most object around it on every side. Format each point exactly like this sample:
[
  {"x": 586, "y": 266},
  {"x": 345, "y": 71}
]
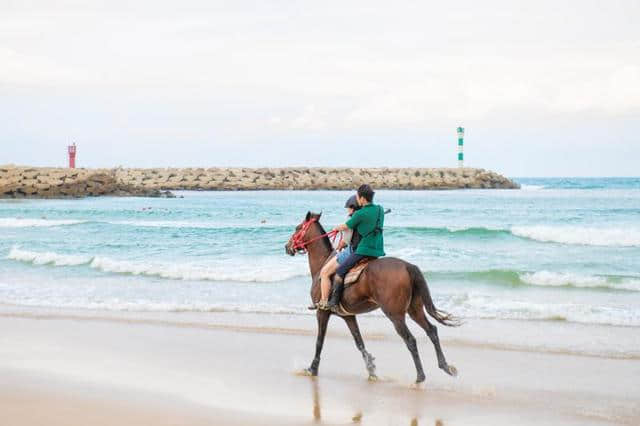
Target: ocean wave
[
  {"x": 574, "y": 235},
  {"x": 474, "y": 231},
  {"x": 47, "y": 258},
  {"x": 515, "y": 278},
  {"x": 249, "y": 271},
  {"x": 190, "y": 272},
  {"x": 17, "y": 222},
  {"x": 473, "y": 305},
  {"x": 463, "y": 305},
  {"x": 179, "y": 224},
  {"x": 581, "y": 183},
  {"x": 525, "y": 187},
  {"x": 612, "y": 237},
  {"x": 563, "y": 279}
]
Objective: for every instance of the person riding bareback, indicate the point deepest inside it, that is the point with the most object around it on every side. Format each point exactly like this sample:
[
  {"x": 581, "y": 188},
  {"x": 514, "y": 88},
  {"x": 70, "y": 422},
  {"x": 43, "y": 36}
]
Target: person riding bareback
[{"x": 369, "y": 223}]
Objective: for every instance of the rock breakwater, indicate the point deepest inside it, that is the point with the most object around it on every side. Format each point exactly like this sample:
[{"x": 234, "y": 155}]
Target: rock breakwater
[{"x": 43, "y": 182}]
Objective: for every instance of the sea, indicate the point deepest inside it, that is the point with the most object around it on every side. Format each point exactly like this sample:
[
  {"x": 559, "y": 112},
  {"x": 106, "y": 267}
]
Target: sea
[{"x": 554, "y": 265}]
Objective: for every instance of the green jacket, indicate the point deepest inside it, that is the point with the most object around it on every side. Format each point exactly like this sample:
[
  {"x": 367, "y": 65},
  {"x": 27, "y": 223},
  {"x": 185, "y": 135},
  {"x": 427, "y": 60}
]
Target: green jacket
[{"x": 364, "y": 221}]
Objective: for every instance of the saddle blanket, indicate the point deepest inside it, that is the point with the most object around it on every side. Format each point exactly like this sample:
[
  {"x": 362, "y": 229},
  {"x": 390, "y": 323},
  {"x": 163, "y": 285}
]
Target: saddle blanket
[{"x": 353, "y": 275}]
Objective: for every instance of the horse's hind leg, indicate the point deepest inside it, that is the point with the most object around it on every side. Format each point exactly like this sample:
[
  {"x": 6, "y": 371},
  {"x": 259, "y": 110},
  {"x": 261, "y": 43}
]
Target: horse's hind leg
[
  {"x": 352, "y": 323},
  {"x": 417, "y": 314},
  {"x": 402, "y": 329},
  {"x": 323, "y": 320}
]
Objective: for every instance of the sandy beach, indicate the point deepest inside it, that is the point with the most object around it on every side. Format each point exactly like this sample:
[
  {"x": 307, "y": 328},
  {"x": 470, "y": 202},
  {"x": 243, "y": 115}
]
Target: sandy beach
[
  {"x": 83, "y": 369},
  {"x": 175, "y": 179}
]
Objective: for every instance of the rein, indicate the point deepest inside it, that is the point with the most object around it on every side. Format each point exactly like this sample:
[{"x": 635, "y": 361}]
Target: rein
[{"x": 299, "y": 244}]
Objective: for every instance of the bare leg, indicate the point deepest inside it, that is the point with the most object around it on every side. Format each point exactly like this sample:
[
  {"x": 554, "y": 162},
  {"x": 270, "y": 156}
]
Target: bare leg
[
  {"x": 418, "y": 315},
  {"x": 323, "y": 320},
  {"x": 352, "y": 323},
  {"x": 402, "y": 329},
  {"x": 327, "y": 270}
]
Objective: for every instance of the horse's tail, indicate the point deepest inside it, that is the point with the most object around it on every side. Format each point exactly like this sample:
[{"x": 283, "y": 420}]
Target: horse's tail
[{"x": 421, "y": 289}]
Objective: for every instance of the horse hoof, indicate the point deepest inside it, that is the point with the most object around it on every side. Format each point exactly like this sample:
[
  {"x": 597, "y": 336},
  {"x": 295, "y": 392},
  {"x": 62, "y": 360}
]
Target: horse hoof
[
  {"x": 417, "y": 386},
  {"x": 372, "y": 378},
  {"x": 307, "y": 372},
  {"x": 451, "y": 370}
]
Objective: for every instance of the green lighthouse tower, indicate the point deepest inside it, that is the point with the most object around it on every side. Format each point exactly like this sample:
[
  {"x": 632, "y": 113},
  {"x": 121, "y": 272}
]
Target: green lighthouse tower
[{"x": 460, "y": 146}]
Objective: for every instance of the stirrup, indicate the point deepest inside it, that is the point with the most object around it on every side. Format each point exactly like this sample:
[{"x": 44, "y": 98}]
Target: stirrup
[{"x": 323, "y": 306}]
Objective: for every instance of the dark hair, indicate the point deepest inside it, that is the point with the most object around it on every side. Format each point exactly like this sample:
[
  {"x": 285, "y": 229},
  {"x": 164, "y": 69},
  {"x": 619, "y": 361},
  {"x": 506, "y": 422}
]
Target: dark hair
[
  {"x": 352, "y": 203},
  {"x": 366, "y": 192}
]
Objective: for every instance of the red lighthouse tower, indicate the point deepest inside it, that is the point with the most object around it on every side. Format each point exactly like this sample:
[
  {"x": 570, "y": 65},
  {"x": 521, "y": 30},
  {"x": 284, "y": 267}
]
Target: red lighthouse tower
[{"x": 72, "y": 156}]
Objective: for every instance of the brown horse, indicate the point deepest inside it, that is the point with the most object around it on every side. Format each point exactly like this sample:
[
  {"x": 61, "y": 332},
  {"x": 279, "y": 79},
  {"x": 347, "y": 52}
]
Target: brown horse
[{"x": 393, "y": 285}]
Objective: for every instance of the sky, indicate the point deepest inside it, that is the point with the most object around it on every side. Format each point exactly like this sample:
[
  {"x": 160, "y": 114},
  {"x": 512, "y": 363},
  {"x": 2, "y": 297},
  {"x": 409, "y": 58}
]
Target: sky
[{"x": 543, "y": 88}]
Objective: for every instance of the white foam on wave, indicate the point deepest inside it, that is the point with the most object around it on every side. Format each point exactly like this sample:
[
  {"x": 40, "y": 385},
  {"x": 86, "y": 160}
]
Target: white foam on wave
[
  {"x": 249, "y": 271},
  {"x": 531, "y": 187},
  {"x": 561, "y": 279},
  {"x": 164, "y": 224},
  {"x": 613, "y": 237},
  {"x": 490, "y": 307},
  {"x": 46, "y": 258},
  {"x": 16, "y": 222},
  {"x": 242, "y": 272},
  {"x": 474, "y": 227},
  {"x": 116, "y": 304},
  {"x": 182, "y": 224}
]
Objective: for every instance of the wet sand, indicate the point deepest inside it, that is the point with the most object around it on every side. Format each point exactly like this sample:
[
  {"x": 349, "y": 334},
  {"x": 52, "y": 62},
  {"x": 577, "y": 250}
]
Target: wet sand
[{"x": 86, "y": 371}]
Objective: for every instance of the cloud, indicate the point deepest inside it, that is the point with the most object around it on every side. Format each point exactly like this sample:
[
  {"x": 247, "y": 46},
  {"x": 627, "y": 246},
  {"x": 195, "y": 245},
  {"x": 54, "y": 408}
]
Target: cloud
[{"x": 146, "y": 73}]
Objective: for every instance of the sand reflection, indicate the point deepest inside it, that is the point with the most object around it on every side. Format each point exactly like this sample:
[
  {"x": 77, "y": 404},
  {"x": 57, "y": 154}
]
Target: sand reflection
[{"x": 355, "y": 418}]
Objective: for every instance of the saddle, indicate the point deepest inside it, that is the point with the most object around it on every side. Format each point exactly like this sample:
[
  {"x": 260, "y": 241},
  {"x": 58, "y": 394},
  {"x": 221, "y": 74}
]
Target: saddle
[
  {"x": 350, "y": 279},
  {"x": 354, "y": 273}
]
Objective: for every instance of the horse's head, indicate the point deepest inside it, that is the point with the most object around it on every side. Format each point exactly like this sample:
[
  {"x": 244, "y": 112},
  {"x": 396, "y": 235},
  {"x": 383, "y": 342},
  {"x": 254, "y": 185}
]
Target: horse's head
[{"x": 303, "y": 233}]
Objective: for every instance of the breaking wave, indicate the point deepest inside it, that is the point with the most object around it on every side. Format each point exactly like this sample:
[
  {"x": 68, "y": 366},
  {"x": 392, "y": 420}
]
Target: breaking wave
[
  {"x": 563, "y": 279},
  {"x": 471, "y": 305},
  {"x": 189, "y": 224},
  {"x": 467, "y": 305},
  {"x": 615, "y": 237},
  {"x": 16, "y": 222},
  {"x": 514, "y": 278},
  {"x": 253, "y": 272},
  {"x": 270, "y": 270},
  {"x": 47, "y": 258},
  {"x": 250, "y": 271},
  {"x": 574, "y": 235},
  {"x": 525, "y": 187}
]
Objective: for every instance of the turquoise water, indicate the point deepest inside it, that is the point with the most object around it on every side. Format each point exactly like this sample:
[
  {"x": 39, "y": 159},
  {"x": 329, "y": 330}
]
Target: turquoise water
[{"x": 563, "y": 249}]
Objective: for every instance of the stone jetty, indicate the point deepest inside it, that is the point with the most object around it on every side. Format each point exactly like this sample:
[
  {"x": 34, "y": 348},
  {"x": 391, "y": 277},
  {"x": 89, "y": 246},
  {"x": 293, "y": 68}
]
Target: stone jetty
[{"x": 44, "y": 182}]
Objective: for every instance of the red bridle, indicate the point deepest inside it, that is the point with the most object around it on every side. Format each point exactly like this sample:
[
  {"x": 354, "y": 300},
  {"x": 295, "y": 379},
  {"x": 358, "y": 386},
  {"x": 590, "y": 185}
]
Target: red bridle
[{"x": 297, "y": 240}]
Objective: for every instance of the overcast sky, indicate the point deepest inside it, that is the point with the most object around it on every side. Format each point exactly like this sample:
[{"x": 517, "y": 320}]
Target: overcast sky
[{"x": 544, "y": 88}]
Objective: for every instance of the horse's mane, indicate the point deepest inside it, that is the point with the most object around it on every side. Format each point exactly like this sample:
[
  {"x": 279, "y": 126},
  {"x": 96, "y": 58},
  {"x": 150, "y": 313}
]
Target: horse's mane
[{"x": 325, "y": 239}]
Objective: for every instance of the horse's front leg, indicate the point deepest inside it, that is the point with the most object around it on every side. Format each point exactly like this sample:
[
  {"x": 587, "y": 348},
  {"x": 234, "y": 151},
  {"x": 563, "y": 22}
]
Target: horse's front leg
[
  {"x": 352, "y": 323},
  {"x": 323, "y": 320}
]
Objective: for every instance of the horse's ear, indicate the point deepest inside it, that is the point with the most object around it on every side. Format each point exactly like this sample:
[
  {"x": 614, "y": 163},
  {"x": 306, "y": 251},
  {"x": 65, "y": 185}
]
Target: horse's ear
[
  {"x": 319, "y": 215},
  {"x": 308, "y": 216}
]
